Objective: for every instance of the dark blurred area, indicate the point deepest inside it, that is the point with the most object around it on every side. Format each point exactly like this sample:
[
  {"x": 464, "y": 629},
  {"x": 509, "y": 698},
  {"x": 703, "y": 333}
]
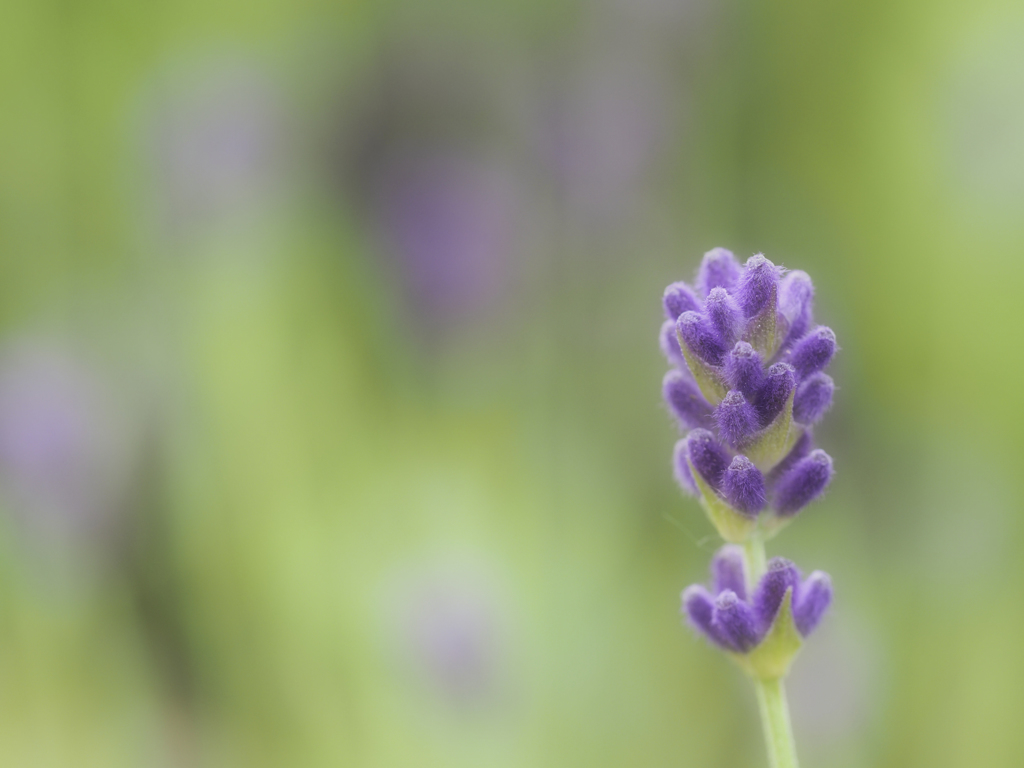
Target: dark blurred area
[{"x": 330, "y": 421}]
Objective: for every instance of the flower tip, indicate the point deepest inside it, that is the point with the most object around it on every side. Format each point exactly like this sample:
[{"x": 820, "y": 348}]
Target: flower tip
[
  {"x": 744, "y": 487},
  {"x": 815, "y": 599},
  {"x": 803, "y": 483},
  {"x": 718, "y": 269},
  {"x": 737, "y": 420},
  {"x": 679, "y": 298},
  {"x": 684, "y": 399}
]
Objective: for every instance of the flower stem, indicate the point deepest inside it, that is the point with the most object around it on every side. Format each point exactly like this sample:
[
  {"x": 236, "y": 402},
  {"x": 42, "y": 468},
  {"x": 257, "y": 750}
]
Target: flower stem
[
  {"x": 778, "y": 733},
  {"x": 771, "y": 694}
]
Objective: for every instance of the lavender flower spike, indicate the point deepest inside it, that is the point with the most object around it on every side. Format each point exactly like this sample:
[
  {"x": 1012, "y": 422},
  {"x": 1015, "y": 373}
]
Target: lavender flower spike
[{"x": 750, "y": 459}]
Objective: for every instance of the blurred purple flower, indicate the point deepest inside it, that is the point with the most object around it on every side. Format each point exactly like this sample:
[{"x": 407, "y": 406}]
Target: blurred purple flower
[
  {"x": 62, "y": 451},
  {"x": 448, "y": 219},
  {"x": 602, "y": 132},
  {"x": 215, "y": 141},
  {"x": 452, "y": 635}
]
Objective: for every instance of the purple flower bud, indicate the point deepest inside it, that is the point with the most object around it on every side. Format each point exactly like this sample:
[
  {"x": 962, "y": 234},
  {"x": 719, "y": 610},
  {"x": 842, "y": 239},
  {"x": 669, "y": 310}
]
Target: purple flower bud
[
  {"x": 779, "y": 383},
  {"x": 796, "y": 299},
  {"x": 813, "y": 397},
  {"x": 737, "y": 420},
  {"x": 743, "y": 370},
  {"x": 708, "y": 457},
  {"x": 724, "y": 316},
  {"x": 743, "y": 486},
  {"x": 669, "y": 342},
  {"x": 699, "y": 608},
  {"x": 679, "y": 298},
  {"x": 685, "y": 400},
  {"x": 681, "y": 469},
  {"x": 781, "y": 575},
  {"x": 758, "y": 285},
  {"x": 735, "y": 623},
  {"x": 804, "y": 445},
  {"x": 729, "y": 571},
  {"x": 814, "y": 599},
  {"x": 813, "y": 352},
  {"x": 803, "y": 483},
  {"x": 719, "y": 269},
  {"x": 701, "y": 339}
]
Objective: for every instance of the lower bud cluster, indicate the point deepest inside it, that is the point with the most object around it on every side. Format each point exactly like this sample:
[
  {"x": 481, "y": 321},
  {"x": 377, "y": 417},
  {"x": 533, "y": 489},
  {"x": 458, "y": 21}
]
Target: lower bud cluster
[{"x": 765, "y": 624}]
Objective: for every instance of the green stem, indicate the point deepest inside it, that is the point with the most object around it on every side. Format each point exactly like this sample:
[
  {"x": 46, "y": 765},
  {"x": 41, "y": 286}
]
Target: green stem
[
  {"x": 778, "y": 733},
  {"x": 771, "y": 694},
  {"x": 753, "y": 550}
]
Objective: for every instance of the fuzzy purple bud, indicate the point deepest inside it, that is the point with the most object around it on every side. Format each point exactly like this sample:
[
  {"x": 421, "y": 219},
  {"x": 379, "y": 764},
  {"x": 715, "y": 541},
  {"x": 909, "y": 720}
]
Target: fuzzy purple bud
[
  {"x": 813, "y": 397},
  {"x": 772, "y": 399},
  {"x": 701, "y": 339},
  {"x": 803, "y": 483},
  {"x": 781, "y": 575},
  {"x": 804, "y": 445},
  {"x": 734, "y": 622},
  {"x": 758, "y": 285},
  {"x": 685, "y": 400},
  {"x": 679, "y": 298},
  {"x": 743, "y": 370},
  {"x": 796, "y": 299},
  {"x": 708, "y": 457},
  {"x": 815, "y": 598},
  {"x": 699, "y": 608},
  {"x": 729, "y": 571},
  {"x": 743, "y": 486},
  {"x": 719, "y": 269},
  {"x": 724, "y": 316},
  {"x": 737, "y": 420},
  {"x": 681, "y": 468},
  {"x": 814, "y": 351},
  {"x": 669, "y": 342}
]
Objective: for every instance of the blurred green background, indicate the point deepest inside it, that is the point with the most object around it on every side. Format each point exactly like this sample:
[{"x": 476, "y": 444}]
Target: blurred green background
[{"x": 330, "y": 428}]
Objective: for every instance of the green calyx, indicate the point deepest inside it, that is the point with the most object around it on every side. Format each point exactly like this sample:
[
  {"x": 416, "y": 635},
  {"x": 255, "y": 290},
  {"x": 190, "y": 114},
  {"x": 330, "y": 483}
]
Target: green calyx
[
  {"x": 708, "y": 379},
  {"x": 734, "y": 527},
  {"x": 772, "y": 658}
]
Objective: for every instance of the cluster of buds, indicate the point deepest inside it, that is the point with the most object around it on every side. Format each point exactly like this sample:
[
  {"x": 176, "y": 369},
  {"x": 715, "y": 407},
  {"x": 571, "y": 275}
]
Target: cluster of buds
[{"x": 747, "y": 385}]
